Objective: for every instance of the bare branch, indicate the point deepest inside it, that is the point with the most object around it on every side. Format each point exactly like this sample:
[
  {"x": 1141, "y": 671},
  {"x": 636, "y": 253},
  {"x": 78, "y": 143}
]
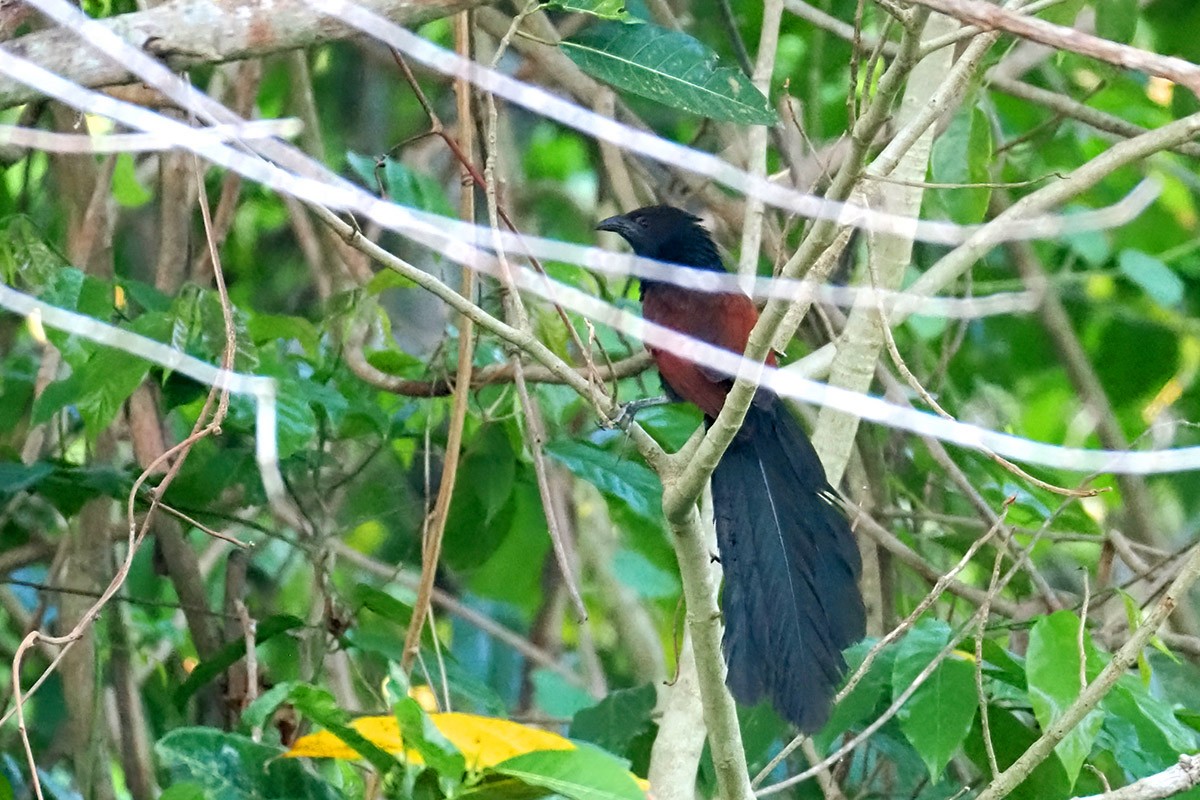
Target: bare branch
[
  {"x": 187, "y": 33},
  {"x": 990, "y": 17},
  {"x": 1168, "y": 783}
]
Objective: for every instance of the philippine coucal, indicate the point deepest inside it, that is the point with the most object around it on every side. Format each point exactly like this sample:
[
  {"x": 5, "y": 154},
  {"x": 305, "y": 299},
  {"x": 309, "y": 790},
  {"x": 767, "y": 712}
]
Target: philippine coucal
[{"x": 791, "y": 599}]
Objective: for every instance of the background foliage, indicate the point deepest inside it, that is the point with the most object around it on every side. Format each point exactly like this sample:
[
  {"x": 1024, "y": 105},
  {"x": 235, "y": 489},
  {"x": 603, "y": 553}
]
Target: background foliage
[{"x": 155, "y": 696}]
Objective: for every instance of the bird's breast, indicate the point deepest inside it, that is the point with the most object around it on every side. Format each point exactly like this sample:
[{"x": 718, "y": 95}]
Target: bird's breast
[{"x": 723, "y": 320}]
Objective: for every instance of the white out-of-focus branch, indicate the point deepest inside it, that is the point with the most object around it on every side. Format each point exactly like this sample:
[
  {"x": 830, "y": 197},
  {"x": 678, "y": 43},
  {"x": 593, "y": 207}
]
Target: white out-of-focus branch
[
  {"x": 60, "y": 142},
  {"x": 632, "y": 139},
  {"x": 541, "y": 102},
  {"x": 187, "y": 34},
  {"x": 787, "y": 383},
  {"x": 451, "y": 237},
  {"x": 336, "y": 192}
]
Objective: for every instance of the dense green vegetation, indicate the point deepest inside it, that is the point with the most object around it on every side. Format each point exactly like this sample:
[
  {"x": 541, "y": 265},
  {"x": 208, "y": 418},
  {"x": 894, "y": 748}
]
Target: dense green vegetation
[{"x": 160, "y": 570}]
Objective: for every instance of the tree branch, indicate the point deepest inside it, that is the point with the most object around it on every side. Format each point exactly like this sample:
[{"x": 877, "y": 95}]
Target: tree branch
[
  {"x": 1095, "y": 691},
  {"x": 1168, "y": 783},
  {"x": 990, "y": 17},
  {"x": 187, "y": 33}
]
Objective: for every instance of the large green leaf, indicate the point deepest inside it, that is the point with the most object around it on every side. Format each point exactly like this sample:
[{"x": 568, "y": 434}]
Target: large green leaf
[
  {"x": 232, "y": 767},
  {"x": 617, "y": 476},
  {"x": 1053, "y": 670},
  {"x": 207, "y": 670},
  {"x": 668, "y": 67},
  {"x": 616, "y": 720},
  {"x": 1142, "y": 731},
  {"x": 1063, "y": 13},
  {"x": 482, "y": 511},
  {"x": 938, "y": 716},
  {"x": 1010, "y": 738},
  {"x": 17, "y": 477},
  {"x": 584, "y": 773},
  {"x": 109, "y": 379},
  {"x": 643, "y": 576},
  {"x": 962, "y": 155}
]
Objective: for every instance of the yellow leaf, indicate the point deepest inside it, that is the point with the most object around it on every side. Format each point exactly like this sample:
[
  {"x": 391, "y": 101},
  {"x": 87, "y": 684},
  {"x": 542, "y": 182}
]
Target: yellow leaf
[{"x": 483, "y": 741}]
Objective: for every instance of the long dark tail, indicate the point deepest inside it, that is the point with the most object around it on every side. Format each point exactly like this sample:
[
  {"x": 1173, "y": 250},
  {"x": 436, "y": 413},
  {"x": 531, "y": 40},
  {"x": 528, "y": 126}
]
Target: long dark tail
[{"x": 791, "y": 598}]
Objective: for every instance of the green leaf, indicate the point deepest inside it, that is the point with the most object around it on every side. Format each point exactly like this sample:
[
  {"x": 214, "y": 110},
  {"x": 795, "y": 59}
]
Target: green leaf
[
  {"x": 17, "y": 477},
  {"x": 108, "y": 380},
  {"x": 616, "y": 720},
  {"x": 584, "y": 773},
  {"x": 1063, "y": 13},
  {"x": 1145, "y": 735},
  {"x": 1133, "y": 617},
  {"x": 278, "y": 327},
  {"x": 383, "y": 604},
  {"x": 513, "y": 572},
  {"x": 262, "y": 707},
  {"x": 482, "y": 510},
  {"x": 388, "y": 279},
  {"x": 419, "y": 733},
  {"x": 1010, "y": 739},
  {"x": 1053, "y": 670},
  {"x": 408, "y": 187},
  {"x": 364, "y": 167},
  {"x": 963, "y": 155},
  {"x": 556, "y": 696},
  {"x": 296, "y": 420},
  {"x": 1152, "y": 276},
  {"x": 319, "y": 706},
  {"x": 1117, "y": 19},
  {"x": 938, "y": 716},
  {"x": 69, "y": 487},
  {"x": 638, "y": 573},
  {"x": 145, "y": 295},
  {"x": 615, "y": 475},
  {"x": 1093, "y": 247},
  {"x": 206, "y": 670},
  {"x": 180, "y": 791},
  {"x": 668, "y": 67},
  {"x": 865, "y": 696},
  {"x": 126, "y": 188},
  {"x": 232, "y": 767},
  {"x": 605, "y": 9},
  {"x": 394, "y": 361}
]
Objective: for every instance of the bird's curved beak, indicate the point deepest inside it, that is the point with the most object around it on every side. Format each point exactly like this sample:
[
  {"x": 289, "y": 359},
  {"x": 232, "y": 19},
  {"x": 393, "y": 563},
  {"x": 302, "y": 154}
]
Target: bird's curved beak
[{"x": 618, "y": 224}]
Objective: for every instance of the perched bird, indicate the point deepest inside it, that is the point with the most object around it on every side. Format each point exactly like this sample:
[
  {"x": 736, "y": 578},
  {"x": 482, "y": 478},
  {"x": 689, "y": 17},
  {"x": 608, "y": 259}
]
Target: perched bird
[{"x": 791, "y": 600}]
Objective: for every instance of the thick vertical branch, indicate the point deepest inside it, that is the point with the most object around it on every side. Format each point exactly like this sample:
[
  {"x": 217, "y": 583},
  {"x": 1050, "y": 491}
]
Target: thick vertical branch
[
  {"x": 86, "y": 564},
  {"x": 680, "y": 740},
  {"x": 862, "y": 340},
  {"x": 431, "y": 547},
  {"x": 704, "y": 626},
  {"x": 756, "y": 138}
]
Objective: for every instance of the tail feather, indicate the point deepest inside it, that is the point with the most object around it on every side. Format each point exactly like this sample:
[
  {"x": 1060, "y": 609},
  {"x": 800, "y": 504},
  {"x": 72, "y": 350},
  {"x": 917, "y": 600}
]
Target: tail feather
[{"x": 791, "y": 598}]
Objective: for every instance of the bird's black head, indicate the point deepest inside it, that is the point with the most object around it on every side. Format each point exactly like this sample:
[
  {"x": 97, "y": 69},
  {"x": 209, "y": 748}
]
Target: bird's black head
[{"x": 666, "y": 233}]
